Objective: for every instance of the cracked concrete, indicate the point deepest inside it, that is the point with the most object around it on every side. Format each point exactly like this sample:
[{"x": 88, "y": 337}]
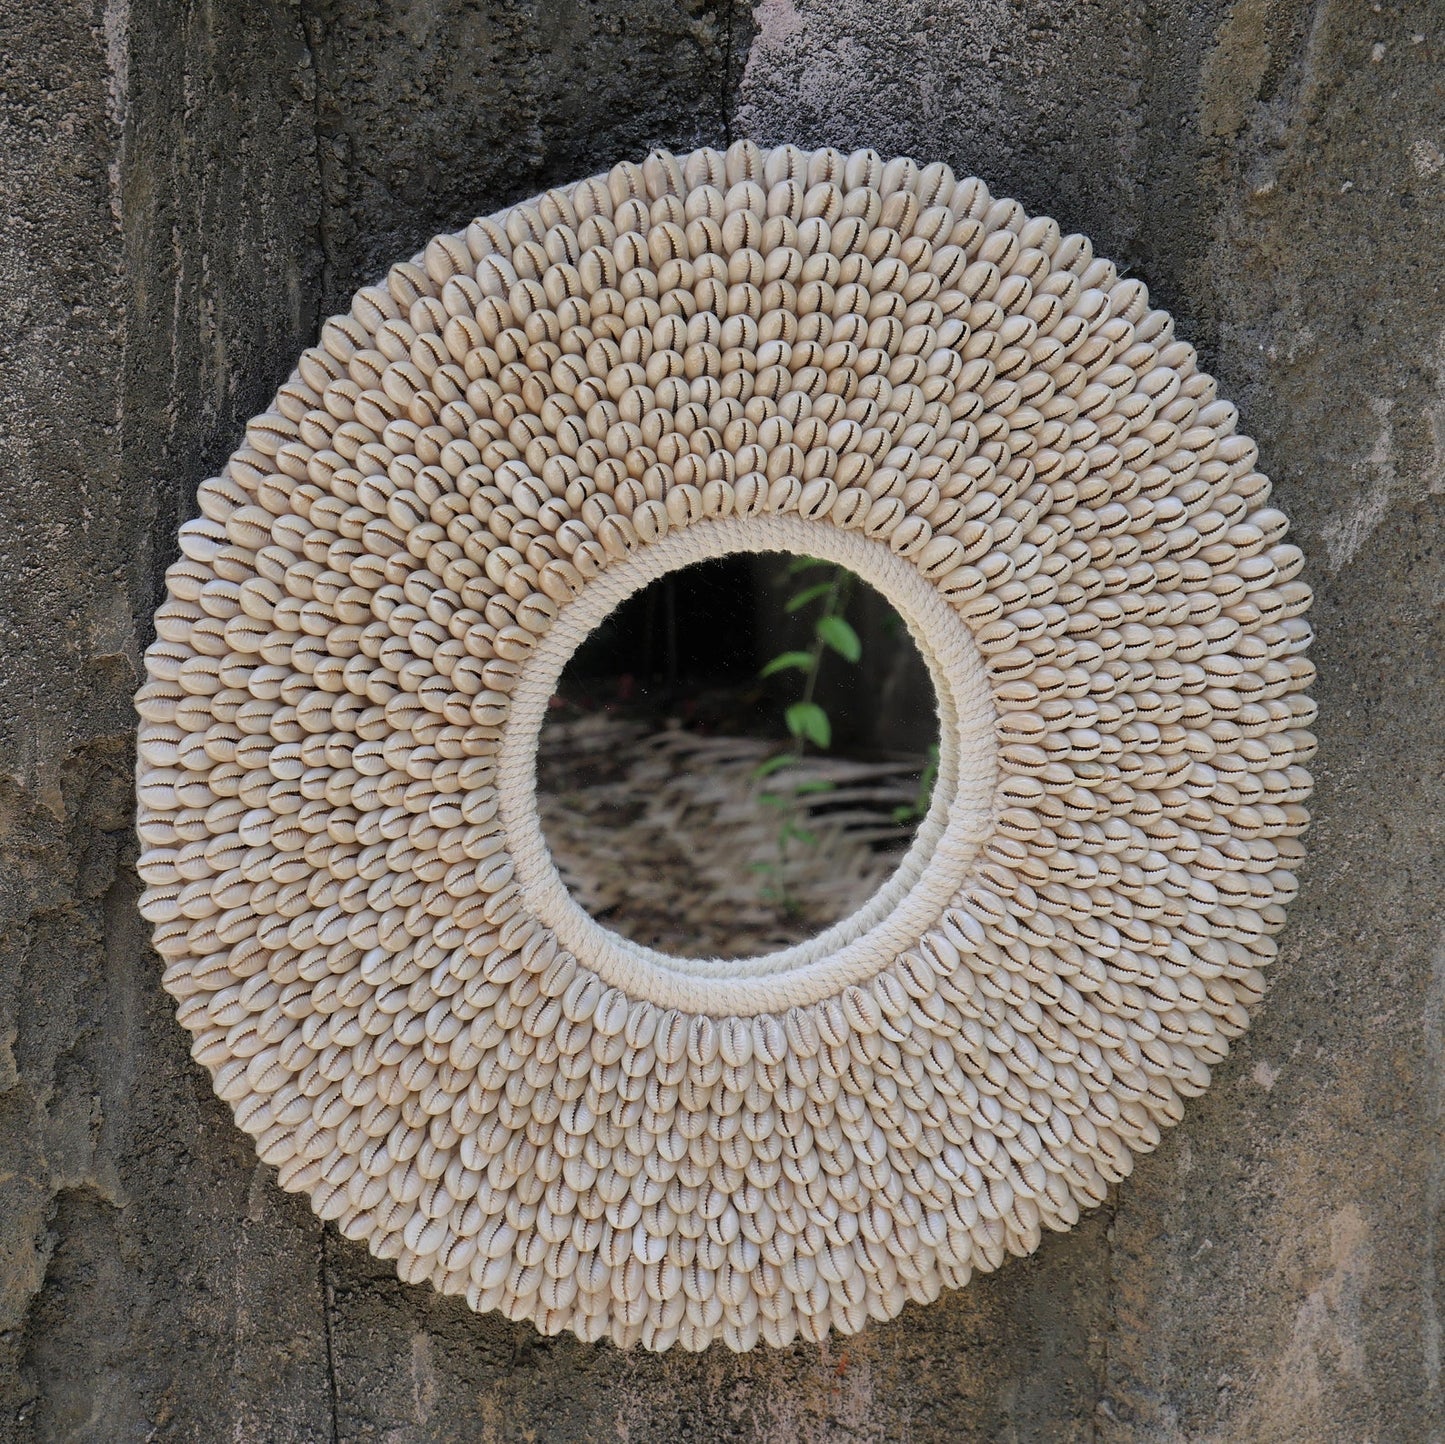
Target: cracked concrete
[{"x": 191, "y": 188}]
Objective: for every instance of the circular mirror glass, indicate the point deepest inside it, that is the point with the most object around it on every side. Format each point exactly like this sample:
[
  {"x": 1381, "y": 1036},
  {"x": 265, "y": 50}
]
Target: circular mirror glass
[{"x": 738, "y": 756}]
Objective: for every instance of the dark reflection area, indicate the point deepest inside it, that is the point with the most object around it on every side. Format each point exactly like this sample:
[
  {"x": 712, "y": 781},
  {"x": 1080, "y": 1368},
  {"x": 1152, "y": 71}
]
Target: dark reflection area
[
  {"x": 738, "y": 756},
  {"x": 685, "y": 647}
]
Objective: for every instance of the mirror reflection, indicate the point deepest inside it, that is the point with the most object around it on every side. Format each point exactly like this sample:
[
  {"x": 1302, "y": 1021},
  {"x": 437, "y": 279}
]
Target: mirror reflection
[{"x": 738, "y": 757}]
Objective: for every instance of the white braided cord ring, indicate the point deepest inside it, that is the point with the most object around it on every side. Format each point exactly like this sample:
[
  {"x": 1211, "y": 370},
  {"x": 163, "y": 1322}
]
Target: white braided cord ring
[{"x": 757, "y": 350}]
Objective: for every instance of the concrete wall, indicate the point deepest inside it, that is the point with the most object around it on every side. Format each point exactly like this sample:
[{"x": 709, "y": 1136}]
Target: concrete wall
[{"x": 190, "y": 188}]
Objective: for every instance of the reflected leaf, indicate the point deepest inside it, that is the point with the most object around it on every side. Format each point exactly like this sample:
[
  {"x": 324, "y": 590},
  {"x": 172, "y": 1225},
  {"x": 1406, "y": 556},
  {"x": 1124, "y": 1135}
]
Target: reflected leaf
[
  {"x": 799, "y": 600},
  {"x": 801, "y": 661},
  {"x": 840, "y": 637},
  {"x": 772, "y": 765},
  {"x": 808, "y": 720}
]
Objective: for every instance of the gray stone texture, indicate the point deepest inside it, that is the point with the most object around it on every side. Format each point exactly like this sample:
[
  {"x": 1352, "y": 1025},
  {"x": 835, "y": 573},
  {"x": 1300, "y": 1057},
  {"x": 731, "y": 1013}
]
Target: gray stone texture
[{"x": 190, "y": 188}]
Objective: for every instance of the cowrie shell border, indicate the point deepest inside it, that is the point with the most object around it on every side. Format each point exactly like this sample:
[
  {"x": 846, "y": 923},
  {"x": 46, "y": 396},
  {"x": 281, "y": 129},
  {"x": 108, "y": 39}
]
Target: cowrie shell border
[{"x": 510, "y": 1102}]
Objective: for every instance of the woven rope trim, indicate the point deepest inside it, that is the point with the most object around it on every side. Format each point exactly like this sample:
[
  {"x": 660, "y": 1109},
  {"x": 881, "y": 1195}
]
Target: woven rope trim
[
  {"x": 898, "y": 915},
  {"x": 761, "y": 350}
]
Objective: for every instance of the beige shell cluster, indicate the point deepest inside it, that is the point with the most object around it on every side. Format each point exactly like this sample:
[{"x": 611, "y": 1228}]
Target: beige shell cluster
[{"x": 757, "y": 349}]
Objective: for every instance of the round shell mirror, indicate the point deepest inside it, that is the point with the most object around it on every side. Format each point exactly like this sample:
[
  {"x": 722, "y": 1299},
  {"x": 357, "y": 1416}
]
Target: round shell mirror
[{"x": 879, "y": 364}]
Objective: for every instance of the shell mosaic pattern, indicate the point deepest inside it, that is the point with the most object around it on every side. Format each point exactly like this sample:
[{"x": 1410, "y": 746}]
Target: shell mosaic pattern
[{"x": 762, "y": 349}]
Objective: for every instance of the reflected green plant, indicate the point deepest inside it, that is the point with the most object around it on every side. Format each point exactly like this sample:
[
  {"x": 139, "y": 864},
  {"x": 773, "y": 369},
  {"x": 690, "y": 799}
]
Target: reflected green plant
[{"x": 808, "y": 723}]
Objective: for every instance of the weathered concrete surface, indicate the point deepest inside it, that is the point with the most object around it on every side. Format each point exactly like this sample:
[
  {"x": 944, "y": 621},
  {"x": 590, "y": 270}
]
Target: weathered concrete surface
[{"x": 188, "y": 189}]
